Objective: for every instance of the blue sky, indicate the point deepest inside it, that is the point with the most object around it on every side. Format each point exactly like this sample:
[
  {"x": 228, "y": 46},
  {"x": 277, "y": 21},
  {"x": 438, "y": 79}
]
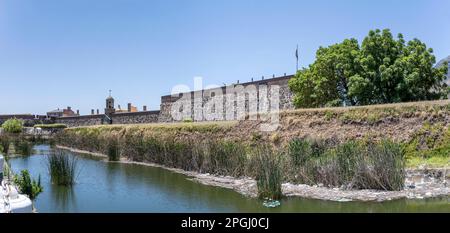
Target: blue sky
[{"x": 57, "y": 53}]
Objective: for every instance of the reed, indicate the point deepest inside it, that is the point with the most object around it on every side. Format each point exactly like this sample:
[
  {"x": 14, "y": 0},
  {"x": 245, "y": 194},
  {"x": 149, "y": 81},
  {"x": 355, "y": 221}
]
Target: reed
[
  {"x": 268, "y": 172},
  {"x": 5, "y": 141},
  {"x": 23, "y": 146},
  {"x": 352, "y": 165},
  {"x": 384, "y": 167},
  {"x": 62, "y": 168},
  {"x": 113, "y": 150}
]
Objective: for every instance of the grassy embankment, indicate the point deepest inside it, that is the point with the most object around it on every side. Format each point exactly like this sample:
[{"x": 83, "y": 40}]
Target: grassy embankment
[
  {"x": 422, "y": 128},
  {"x": 240, "y": 149}
]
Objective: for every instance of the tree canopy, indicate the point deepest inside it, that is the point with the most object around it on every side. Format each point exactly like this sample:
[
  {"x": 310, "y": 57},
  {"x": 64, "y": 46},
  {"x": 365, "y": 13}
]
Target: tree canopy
[
  {"x": 13, "y": 126},
  {"x": 383, "y": 69}
]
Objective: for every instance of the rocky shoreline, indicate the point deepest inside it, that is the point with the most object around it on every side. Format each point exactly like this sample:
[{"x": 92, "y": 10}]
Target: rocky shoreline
[{"x": 419, "y": 184}]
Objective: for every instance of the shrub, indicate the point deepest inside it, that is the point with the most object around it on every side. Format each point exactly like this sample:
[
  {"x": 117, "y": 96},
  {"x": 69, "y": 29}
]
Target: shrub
[
  {"x": 187, "y": 120},
  {"x": 13, "y": 126},
  {"x": 50, "y": 126},
  {"x": 300, "y": 151},
  {"x": 256, "y": 136},
  {"x": 329, "y": 115},
  {"x": 26, "y": 185},
  {"x": 275, "y": 138}
]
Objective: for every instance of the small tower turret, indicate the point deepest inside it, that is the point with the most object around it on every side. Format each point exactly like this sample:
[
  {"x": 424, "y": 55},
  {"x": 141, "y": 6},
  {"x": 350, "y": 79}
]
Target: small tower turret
[{"x": 110, "y": 105}]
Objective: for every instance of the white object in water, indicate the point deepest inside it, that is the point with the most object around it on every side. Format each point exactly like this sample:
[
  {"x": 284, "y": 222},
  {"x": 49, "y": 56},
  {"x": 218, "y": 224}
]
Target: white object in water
[{"x": 10, "y": 200}]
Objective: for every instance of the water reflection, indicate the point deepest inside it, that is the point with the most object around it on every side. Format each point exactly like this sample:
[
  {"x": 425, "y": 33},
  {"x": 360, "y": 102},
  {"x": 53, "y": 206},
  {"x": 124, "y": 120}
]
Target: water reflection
[{"x": 64, "y": 197}]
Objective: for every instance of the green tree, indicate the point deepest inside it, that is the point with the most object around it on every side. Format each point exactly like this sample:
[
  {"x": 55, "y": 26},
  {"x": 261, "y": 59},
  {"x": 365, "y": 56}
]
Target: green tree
[
  {"x": 13, "y": 126},
  {"x": 325, "y": 83},
  {"x": 382, "y": 70}
]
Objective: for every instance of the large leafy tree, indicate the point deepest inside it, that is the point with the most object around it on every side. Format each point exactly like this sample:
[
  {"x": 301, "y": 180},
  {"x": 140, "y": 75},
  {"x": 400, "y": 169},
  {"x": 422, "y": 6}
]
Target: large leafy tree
[{"x": 382, "y": 70}]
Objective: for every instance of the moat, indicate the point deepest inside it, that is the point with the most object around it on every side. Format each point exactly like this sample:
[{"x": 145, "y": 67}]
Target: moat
[{"x": 117, "y": 187}]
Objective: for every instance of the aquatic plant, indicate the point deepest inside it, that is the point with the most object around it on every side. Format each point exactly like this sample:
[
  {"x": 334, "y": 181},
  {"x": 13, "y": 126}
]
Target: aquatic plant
[
  {"x": 385, "y": 166},
  {"x": 226, "y": 158},
  {"x": 268, "y": 172},
  {"x": 300, "y": 151},
  {"x": 23, "y": 146},
  {"x": 28, "y": 186},
  {"x": 5, "y": 141},
  {"x": 353, "y": 164},
  {"x": 62, "y": 168},
  {"x": 113, "y": 150}
]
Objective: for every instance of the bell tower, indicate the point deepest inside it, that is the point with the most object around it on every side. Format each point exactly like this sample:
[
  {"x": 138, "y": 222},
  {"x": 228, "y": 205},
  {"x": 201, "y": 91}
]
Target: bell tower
[{"x": 109, "y": 105}]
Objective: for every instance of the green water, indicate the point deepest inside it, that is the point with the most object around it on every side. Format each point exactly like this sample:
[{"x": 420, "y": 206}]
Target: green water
[{"x": 113, "y": 187}]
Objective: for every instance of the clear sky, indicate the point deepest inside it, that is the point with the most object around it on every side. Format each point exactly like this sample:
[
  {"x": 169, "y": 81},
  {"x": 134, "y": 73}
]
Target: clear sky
[{"x": 56, "y": 53}]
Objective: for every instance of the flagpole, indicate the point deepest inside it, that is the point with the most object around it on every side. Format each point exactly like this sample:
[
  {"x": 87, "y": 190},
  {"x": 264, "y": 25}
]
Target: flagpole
[{"x": 296, "y": 55}]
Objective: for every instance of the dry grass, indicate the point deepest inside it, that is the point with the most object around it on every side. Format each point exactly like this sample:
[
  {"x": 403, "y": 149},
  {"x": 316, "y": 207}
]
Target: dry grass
[{"x": 399, "y": 122}]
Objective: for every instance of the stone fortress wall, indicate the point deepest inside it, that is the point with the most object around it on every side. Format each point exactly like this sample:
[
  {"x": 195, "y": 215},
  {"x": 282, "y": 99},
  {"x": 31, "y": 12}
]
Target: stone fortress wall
[
  {"x": 135, "y": 117},
  {"x": 164, "y": 114},
  {"x": 203, "y": 96},
  {"x": 85, "y": 120}
]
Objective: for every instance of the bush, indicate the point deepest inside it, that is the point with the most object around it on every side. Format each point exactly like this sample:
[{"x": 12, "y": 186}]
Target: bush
[
  {"x": 26, "y": 185},
  {"x": 300, "y": 151},
  {"x": 50, "y": 126},
  {"x": 13, "y": 126},
  {"x": 187, "y": 120}
]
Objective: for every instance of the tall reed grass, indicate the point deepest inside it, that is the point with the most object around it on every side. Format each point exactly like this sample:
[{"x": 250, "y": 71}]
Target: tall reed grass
[
  {"x": 268, "y": 172},
  {"x": 23, "y": 146},
  {"x": 62, "y": 168},
  {"x": 113, "y": 150},
  {"x": 5, "y": 141},
  {"x": 353, "y": 164}
]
